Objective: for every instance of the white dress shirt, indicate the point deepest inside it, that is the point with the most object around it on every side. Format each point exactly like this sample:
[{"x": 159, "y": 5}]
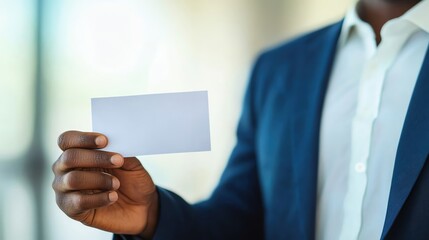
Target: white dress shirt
[{"x": 365, "y": 106}]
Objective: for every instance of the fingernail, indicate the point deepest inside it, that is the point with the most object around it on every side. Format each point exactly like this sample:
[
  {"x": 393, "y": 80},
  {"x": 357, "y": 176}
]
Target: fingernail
[
  {"x": 115, "y": 183},
  {"x": 116, "y": 160},
  {"x": 113, "y": 196},
  {"x": 101, "y": 141}
]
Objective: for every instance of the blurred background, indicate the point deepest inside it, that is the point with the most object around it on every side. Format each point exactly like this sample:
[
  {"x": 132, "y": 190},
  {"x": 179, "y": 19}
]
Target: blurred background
[{"x": 57, "y": 54}]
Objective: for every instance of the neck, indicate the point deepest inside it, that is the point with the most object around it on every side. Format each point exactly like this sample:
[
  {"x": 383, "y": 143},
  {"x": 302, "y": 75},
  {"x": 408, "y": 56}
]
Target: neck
[{"x": 378, "y": 12}]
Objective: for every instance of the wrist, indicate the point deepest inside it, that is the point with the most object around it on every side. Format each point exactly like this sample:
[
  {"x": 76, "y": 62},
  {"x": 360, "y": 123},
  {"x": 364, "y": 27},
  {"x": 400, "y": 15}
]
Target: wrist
[{"x": 152, "y": 217}]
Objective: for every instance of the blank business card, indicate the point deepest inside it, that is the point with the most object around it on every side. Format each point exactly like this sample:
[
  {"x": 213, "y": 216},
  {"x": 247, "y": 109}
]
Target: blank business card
[{"x": 153, "y": 123}]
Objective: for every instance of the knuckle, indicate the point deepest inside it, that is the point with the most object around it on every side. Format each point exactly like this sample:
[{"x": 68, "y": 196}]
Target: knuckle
[
  {"x": 78, "y": 202},
  {"x": 71, "y": 181},
  {"x": 64, "y": 140},
  {"x": 56, "y": 184},
  {"x": 63, "y": 202},
  {"x": 68, "y": 159},
  {"x": 65, "y": 155},
  {"x": 98, "y": 156},
  {"x": 59, "y": 199},
  {"x": 60, "y": 141},
  {"x": 82, "y": 140},
  {"x": 54, "y": 166},
  {"x": 107, "y": 182},
  {"x": 101, "y": 157},
  {"x": 60, "y": 164},
  {"x": 83, "y": 202}
]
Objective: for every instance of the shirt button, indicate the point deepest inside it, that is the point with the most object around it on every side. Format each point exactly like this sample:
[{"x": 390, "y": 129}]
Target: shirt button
[{"x": 360, "y": 167}]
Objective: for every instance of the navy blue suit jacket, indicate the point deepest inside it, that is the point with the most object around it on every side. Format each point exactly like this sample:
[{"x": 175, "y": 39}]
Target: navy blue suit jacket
[{"x": 268, "y": 189}]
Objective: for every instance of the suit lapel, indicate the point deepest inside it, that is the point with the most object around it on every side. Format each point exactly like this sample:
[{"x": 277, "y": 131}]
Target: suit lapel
[
  {"x": 413, "y": 147},
  {"x": 314, "y": 75}
]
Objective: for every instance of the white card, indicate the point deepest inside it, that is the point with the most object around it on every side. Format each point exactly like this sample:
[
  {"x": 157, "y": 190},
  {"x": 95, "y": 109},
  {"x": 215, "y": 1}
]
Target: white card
[{"x": 153, "y": 123}]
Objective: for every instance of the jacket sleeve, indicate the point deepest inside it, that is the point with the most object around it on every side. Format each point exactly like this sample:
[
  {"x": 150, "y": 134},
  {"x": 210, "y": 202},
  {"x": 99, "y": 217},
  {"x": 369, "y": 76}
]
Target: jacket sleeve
[{"x": 234, "y": 210}]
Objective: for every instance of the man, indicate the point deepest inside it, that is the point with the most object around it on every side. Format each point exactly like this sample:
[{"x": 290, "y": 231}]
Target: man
[{"x": 332, "y": 144}]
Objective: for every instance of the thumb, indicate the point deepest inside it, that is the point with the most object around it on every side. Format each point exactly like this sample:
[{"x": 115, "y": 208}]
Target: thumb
[{"x": 132, "y": 164}]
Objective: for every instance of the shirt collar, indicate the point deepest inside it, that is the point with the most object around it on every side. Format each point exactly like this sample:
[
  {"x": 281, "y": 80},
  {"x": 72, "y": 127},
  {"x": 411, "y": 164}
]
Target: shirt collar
[
  {"x": 418, "y": 15},
  {"x": 351, "y": 21}
]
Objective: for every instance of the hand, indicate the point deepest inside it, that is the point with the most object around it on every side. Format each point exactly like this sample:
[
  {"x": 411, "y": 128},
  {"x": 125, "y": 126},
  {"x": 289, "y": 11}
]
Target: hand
[{"x": 103, "y": 189}]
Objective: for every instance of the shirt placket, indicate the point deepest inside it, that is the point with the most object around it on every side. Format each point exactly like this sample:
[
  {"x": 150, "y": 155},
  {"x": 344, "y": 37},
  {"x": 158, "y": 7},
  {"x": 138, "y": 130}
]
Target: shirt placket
[{"x": 368, "y": 104}]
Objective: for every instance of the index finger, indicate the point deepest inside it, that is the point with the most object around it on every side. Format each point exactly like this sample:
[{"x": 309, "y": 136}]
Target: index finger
[{"x": 76, "y": 139}]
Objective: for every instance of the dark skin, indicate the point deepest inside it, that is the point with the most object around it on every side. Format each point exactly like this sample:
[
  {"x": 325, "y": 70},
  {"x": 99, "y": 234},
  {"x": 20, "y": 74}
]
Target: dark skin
[
  {"x": 106, "y": 191},
  {"x": 103, "y": 189},
  {"x": 378, "y": 12}
]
